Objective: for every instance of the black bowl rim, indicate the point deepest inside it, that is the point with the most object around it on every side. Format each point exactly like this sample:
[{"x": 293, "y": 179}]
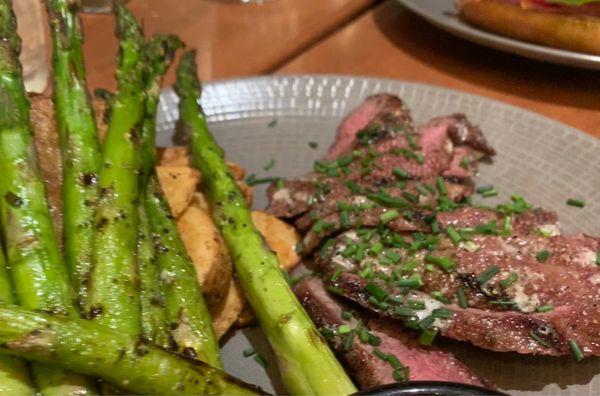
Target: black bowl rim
[{"x": 428, "y": 388}]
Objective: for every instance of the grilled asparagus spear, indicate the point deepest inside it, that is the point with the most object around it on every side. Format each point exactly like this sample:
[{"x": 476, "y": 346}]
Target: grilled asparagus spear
[
  {"x": 78, "y": 140},
  {"x": 306, "y": 363},
  {"x": 37, "y": 268},
  {"x": 14, "y": 377},
  {"x": 160, "y": 51},
  {"x": 186, "y": 311},
  {"x": 91, "y": 349},
  {"x": 113, "y": 295}
]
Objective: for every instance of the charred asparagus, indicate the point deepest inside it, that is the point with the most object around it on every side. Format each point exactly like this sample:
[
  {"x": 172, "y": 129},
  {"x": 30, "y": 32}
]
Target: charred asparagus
[{"x": 306, "y": 363}]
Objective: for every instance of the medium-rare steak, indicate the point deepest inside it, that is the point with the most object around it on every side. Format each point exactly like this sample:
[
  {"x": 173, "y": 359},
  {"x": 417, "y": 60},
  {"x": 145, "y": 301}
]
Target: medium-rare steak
[
  {"x": 376, "y": 351},
  {"x": 390, "y": 226}
]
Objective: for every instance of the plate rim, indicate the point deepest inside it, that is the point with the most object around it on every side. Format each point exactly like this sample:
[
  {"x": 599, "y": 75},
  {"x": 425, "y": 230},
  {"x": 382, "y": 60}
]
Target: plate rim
[
  {"x": 507, "y": 44},
  {"x": 477, "y": 97}
]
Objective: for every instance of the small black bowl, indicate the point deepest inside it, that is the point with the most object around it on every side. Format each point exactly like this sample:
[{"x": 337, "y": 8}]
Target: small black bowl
[{"x": 428, "y": 388}]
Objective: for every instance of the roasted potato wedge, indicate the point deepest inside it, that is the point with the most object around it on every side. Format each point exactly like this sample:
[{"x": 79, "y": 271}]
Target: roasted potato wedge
[
  {"x": 226, "y": 312},
  {"x": 281, "y": 238},
  {"x": 179, "y": 183},
  {"x": 208, "y": 252}
]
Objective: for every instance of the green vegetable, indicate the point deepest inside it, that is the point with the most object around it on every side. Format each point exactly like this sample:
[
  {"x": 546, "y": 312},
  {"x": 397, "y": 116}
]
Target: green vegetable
[
  {"x": 37, "y": 268},
  {"x": 159, "y": 52},
  {"x": 78, "y": 140},
  {"x": 86, "y": 347},
  {"x": 14, "y": 377},
  {"x": 113, "y": 296},
  {"x": 306, "y": 363}
]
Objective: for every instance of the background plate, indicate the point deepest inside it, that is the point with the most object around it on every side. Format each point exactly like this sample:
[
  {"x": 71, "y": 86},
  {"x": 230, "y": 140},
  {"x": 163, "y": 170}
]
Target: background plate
[
  {"x": 259, "y": 119},
  {"x": 443, "y": 14}
]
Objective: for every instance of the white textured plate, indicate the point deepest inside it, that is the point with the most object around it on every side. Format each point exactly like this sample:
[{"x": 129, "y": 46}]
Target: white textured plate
[
  {"x": 260, "y": 119},
  {"x": 443, "y": 14}
]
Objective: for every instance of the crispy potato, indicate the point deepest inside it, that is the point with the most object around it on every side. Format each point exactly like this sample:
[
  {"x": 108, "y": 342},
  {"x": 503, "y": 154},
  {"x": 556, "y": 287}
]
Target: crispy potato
[
  {"x": 281, "y": 238},
  {"x": 173, "y": 156},
  {"x": 226, "y": 313},
  {"x": 179, "y": 156},
  {"x": 179, "y": 184},
  {"x": 205, "y": 246}
]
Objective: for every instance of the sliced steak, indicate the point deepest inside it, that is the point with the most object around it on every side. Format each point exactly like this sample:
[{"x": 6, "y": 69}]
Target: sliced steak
[
  {"x": 423, "y": 362},
  {"x": 376, "y": 109},
  {"x": 513, "y": 324}
]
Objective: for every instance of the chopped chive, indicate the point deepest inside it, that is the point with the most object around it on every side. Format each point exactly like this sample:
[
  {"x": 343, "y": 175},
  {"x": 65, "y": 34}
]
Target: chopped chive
[
  {"x": 388, "y": 200},
  {"x": 414, "y": 282},
  {"x": 598, "y": 257},
  {"x": 374, "y": 340},
  {"x": 464, "y": 162},
  {"x": 410, "y": 197},
  {"x": 411, "y": 141},
  {"x": 388, "y": 216},
  {"x": 379, "y": 304},
  {"x": 261, "y": 360},
  {"x": 394, "y": 361},
  {"x": 401, "y": 375},
  {"x": 427, "y": 336},
  {"x": 346, "y": 315},
  {"x": 488, "y": 274},
  {"x": 446, "y": 263},
  {"x": 545, "y": 308},
  {"x": 542, "y": 255},
  {"x": 462, "y": 299},
  {"x": 506, "y": 225},
  {"x": 348, "y": 341},
  {"x": 579, "y": 203},
  {"x": 335, "y": 290},
  {"x": 435, "y": 227},
  {"x": 490, "y": 193},
  {"x": 313, "y": 145},
  {"x": 441, "y": 186},
  {"x": 440, "y": 297},
  {"x": 509, "y": 280},
  {"x": 375, "y": 291},
  {"x": 272, "y": 123},
  {"x": 380, "y": 354},
  {"x": 253, "y": 181},
  {"x": 401, "y": 173},
  {"x": 353, "y": 187},
  {"x": 376, "y": 248},
  {"x": 577, "y": 354},
  {"x": 453, "y": 235},
  {"x": 344, "y": 161},
  {"x": 419, "y": 158},
  {"x": 248, "y": 352},
  {"x": 393, "y": 256},
  {"x": 426, "y": 322},
  {"x": 421, "y": 189},
  {"x": 537, "y": 339},
  {"x": 363, "y": 335},
  {"x": 409, "y": 266},
  {"x": 269, "y": 165},
  {"x": 336, "y": 274},
  {"x": 403, "y": 311},
  {"x": 441, "y": 313},
  {"x": 349, "y": 250},
  {"x": 471, "y": 246},
  {"x": 321, "y": 225},
  {"x": 416, "y": 304},
  {"x": 344, "y": 329},
  {"x": 507, "y": 302},
  {"x": 345, "y": 219},
  {"x": 280, "y": 184},
  {"x": 482, "y": 189}
]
